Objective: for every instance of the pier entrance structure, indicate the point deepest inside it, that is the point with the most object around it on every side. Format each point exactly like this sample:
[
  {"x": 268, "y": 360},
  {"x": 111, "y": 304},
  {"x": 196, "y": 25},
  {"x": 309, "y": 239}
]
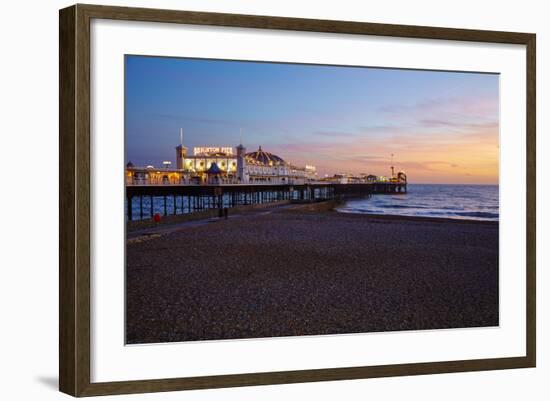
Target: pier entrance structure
[{"x": 236, "y": 165}]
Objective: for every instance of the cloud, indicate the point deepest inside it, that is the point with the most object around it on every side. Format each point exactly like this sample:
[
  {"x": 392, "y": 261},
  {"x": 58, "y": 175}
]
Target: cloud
[
  {"x": 441, "y": 123},
  {"x": 465, "y": 105},
  {"x": 335, "y": 134}
]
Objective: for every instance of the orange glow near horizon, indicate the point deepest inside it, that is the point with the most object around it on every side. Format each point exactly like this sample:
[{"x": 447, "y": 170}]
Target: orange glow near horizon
[{"x": 450, "y": 154}]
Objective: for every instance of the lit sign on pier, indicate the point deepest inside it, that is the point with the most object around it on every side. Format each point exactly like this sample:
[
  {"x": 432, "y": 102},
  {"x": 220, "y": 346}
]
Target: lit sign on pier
[{"x": 207, "y": 150}]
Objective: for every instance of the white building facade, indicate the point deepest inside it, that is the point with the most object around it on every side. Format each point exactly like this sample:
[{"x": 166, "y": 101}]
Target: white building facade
[{"x": 242, "y": 167}]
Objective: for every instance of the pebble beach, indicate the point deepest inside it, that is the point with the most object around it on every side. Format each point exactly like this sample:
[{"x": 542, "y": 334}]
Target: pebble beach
[{"x": 294, "y": 272}]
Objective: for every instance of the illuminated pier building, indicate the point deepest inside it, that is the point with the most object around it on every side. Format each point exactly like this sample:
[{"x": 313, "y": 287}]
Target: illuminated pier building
[{"x": 222, "y": 165}]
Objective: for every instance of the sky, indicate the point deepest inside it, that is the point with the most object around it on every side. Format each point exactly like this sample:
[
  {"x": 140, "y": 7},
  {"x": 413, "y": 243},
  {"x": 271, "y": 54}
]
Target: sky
[{"x": 441, "y": 127}]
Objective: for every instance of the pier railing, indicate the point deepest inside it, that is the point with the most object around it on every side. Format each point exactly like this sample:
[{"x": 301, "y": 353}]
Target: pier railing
[{"x": 130, "y": 181}]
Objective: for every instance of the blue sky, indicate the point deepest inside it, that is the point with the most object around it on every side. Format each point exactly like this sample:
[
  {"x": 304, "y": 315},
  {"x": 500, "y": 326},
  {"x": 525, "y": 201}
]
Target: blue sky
[{"x": 441, "y": 126}]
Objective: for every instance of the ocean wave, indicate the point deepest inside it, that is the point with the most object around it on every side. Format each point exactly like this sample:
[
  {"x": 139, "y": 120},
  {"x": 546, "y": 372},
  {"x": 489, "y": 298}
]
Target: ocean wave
[
  {"x": 486, "y": 215},
  {"x": 355, "y": 210},
  {"x": 412, "y": 206},
  {"x": 442, "y": 201}
]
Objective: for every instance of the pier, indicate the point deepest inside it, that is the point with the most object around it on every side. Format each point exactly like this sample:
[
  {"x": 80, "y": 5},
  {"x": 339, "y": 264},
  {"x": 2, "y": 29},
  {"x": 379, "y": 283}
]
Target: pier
[{"x": 144, "y": 201}]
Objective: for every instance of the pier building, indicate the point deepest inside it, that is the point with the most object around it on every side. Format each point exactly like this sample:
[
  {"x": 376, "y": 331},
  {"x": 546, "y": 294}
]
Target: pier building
[{"x": 222, "y": 165}]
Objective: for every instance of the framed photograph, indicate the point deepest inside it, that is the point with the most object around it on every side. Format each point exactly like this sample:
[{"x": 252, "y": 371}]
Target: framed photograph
[{"x": 249, "y": 200}]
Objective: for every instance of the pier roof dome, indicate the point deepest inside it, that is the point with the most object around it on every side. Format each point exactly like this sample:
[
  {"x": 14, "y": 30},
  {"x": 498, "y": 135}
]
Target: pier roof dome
[{"x": 262, "y": 158}]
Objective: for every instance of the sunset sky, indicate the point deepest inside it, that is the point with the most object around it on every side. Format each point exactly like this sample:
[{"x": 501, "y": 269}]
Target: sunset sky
[{"x": 442, "y": 127}]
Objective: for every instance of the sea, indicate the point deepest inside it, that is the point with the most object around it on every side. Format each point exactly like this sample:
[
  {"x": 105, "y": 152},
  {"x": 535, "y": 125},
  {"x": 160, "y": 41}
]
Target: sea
[{"x": 466, "y": 202}]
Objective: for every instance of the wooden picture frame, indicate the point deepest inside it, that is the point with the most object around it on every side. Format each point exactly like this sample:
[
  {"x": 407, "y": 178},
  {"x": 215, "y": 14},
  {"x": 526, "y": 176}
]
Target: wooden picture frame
[{"x": 74, "y": 204}]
